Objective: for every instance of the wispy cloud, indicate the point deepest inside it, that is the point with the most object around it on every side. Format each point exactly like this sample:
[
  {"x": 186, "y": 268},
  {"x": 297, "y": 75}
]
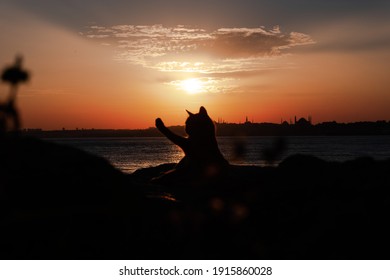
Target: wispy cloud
[
  {"x": 213, "y": 55},
  {"x": 186, "y": 49},
  {"x": 207, "y": 85}
]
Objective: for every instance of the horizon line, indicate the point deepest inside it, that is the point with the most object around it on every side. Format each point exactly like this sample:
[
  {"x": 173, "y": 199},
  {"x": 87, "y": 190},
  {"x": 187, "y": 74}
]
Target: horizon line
[{"x": 181, "y": 125}]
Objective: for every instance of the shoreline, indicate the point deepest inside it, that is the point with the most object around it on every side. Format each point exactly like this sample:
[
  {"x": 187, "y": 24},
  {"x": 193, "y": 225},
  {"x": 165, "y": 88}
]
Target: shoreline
[{"x": 300, "y": 128}]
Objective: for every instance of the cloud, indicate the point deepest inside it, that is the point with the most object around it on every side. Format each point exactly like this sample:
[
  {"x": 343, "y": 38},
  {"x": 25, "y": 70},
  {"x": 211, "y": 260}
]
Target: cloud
[
  {"x": 238, "y": 43},
  {"x": 218, "y": 58},
  {"x": 208, "y": 85},
  {"x": 188, "y": 49}
]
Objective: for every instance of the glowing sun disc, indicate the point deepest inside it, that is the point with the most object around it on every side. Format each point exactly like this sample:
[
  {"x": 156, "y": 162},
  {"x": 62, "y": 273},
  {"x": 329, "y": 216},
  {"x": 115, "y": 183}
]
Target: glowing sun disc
[{"x": 192, "y": 86}]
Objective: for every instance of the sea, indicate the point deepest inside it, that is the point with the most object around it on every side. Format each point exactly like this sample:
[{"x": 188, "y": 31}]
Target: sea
[{"x": 132, "y": 153}]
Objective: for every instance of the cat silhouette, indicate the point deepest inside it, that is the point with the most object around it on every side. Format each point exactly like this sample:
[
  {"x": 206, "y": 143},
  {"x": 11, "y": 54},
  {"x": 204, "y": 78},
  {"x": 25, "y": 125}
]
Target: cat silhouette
[{"x": 202, "y": 160}]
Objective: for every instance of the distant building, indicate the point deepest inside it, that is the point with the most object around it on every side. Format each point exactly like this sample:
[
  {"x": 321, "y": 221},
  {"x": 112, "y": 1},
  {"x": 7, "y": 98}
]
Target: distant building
[
  {"x": 302, "y": 122},
  {"x": 285, "y": 123}
]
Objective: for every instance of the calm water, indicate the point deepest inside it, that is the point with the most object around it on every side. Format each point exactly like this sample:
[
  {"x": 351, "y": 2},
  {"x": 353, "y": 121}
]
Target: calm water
[{"x": 129, "y": 154}]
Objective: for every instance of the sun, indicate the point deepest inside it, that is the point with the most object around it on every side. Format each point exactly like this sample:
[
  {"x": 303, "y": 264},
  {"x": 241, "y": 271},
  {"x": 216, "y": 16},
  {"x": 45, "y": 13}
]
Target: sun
[{"x": 192, "y": 86}]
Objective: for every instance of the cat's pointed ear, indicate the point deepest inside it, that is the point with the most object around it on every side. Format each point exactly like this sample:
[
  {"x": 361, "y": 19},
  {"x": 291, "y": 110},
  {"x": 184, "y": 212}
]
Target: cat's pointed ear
[
  {"x": 189, "y": 113},
  {"x": 202, "y": 111}
]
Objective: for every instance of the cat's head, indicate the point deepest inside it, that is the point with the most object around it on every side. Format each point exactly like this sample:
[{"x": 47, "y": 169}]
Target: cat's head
[{"x": 200, "y": 124}]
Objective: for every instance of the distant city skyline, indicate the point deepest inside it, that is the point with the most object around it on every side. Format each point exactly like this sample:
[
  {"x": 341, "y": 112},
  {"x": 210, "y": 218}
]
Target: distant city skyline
[
  {"x": 121, "y": 64},
  {"x": 292, "y": 122}
]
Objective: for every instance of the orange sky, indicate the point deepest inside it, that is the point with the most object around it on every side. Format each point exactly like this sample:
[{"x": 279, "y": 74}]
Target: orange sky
[{"x": 124, "y": 76}]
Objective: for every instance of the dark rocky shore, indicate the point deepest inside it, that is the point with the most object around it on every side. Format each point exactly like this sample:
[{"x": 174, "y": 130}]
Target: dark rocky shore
[{"x": 58, "y": 202}]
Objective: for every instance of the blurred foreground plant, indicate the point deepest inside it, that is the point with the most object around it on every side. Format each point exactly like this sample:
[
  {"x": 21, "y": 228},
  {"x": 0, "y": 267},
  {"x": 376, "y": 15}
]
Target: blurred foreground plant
[{"x": 13, "y": 75}]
